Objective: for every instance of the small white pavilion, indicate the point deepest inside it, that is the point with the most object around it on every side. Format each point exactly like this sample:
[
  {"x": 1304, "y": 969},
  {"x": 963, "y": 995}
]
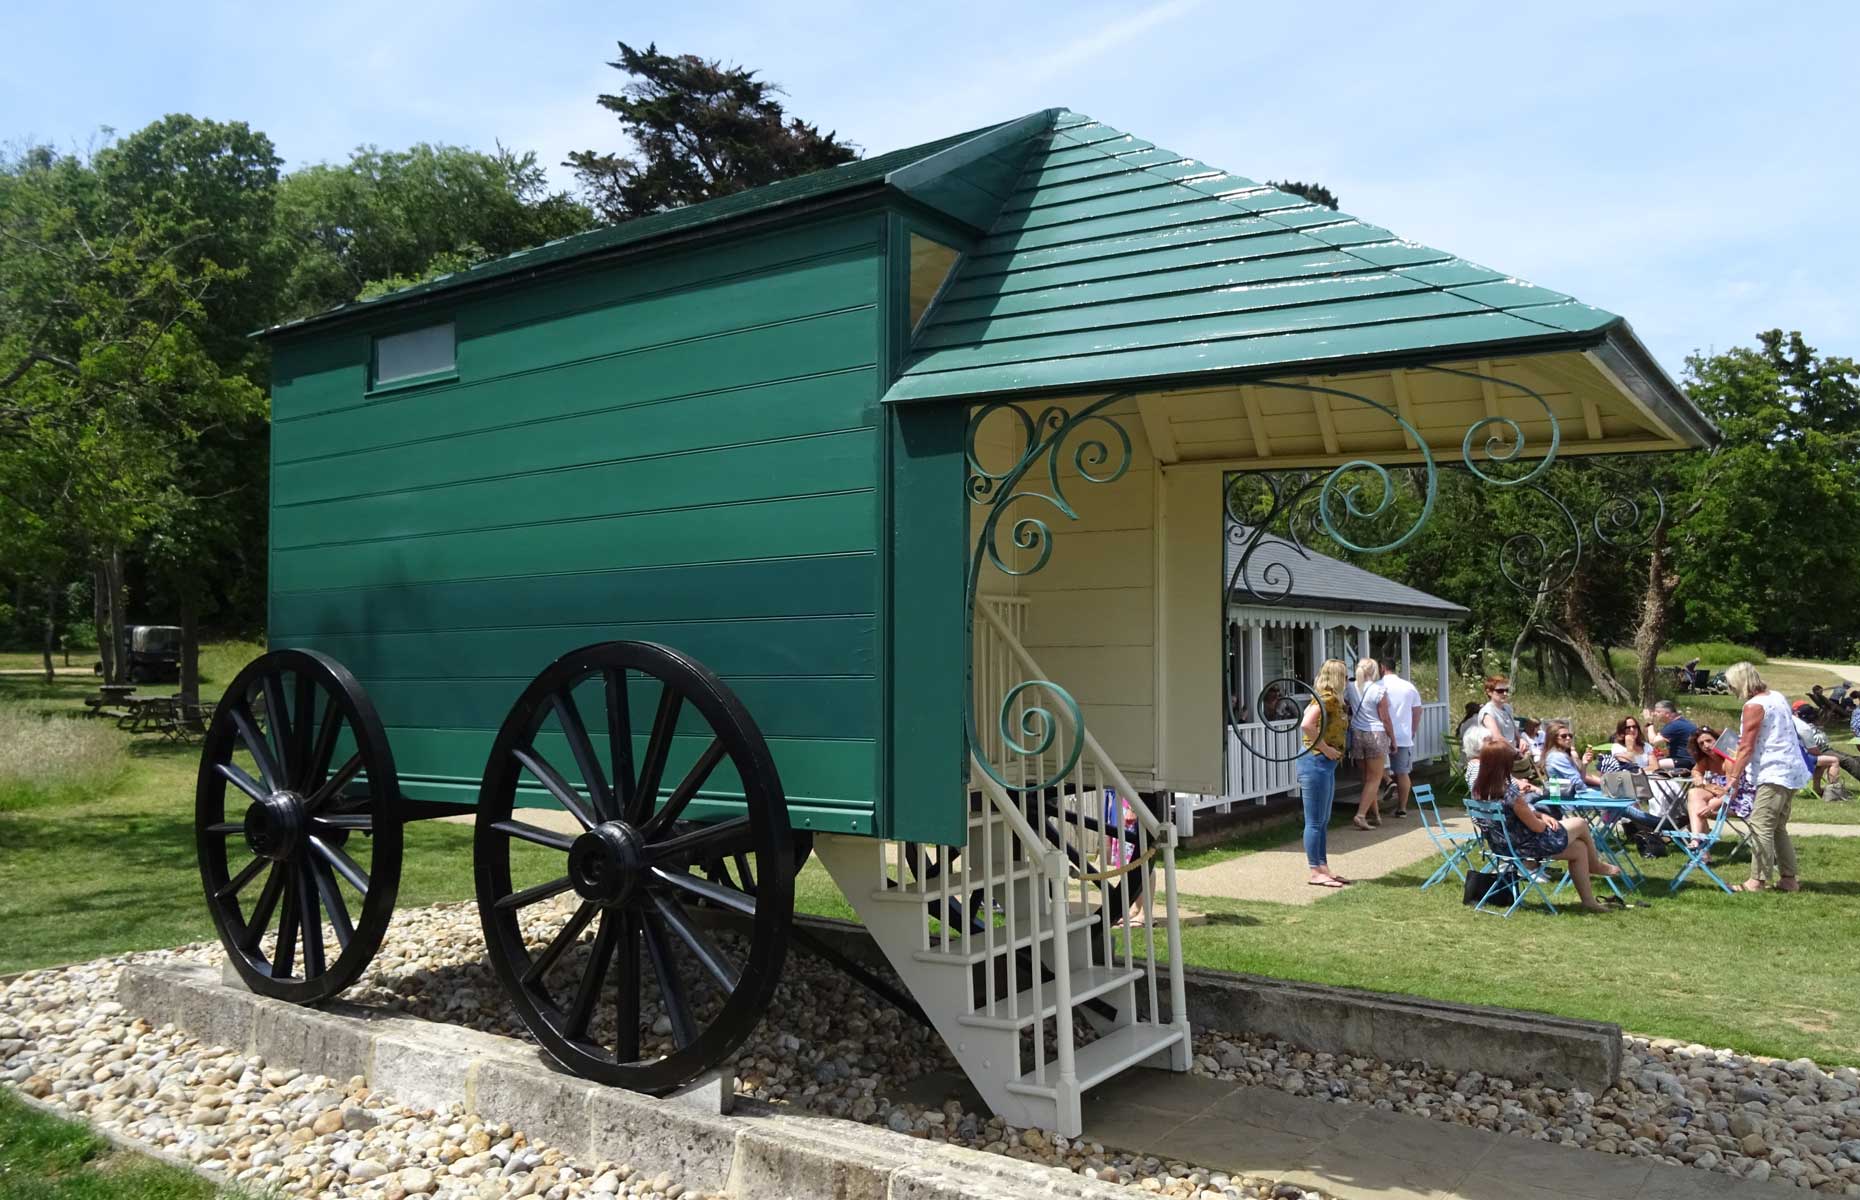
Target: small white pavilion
[{"x": 1300, "y": 610}]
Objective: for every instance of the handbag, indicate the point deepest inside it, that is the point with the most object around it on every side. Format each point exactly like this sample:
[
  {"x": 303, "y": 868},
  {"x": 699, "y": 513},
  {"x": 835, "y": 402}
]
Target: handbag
[{"x": 1502, "y": 888}]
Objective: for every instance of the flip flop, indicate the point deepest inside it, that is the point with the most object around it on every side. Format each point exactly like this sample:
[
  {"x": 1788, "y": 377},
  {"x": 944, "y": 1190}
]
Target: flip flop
[{"x": 1332, "y": 884}]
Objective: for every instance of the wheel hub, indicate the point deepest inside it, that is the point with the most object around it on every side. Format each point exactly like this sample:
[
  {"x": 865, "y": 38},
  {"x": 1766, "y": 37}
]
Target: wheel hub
[
  {"x": 607, "y": 864},
  {"x": 276, "y": 825}
]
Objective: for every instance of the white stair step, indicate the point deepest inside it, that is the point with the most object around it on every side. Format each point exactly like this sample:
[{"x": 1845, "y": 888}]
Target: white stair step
[
  {"x": 1101, "y": 1059},
  {"x": 960, "y": 887},
  {"x": 1019, "y": 1012},
  {"x": 967, "y": 951}
]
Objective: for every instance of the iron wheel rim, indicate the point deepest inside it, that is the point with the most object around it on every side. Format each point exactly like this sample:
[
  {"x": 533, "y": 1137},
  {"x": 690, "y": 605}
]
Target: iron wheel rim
[{"x": 646, "y": 927}]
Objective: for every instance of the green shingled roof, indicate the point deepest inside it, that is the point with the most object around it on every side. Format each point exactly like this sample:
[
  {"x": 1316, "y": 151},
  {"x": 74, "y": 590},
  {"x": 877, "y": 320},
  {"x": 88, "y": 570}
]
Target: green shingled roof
[
  {"x": 1114, "y": 260},
  {"x": 967, "y": 175}
]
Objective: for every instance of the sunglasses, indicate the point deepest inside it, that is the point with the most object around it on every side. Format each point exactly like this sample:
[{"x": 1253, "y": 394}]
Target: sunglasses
[{"x": 1501, "y": 691}]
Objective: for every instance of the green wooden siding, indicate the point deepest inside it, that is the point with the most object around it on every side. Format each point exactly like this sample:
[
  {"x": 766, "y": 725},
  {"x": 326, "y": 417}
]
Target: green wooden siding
[{"x": 683, "y": 449}]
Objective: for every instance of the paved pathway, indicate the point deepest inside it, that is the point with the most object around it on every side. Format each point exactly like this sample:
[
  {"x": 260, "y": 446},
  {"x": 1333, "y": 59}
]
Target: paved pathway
[
  {"x": 1279, "y": 874},
  {"x": 1354, "y": 1152}
]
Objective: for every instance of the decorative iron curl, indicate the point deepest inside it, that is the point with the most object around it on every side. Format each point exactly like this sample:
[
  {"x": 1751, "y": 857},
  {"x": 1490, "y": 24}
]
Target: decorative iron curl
[
  {"x": 1504, "y": 437},
  {"x": 1528, "y": 560},
  {"x": 1267, "y": 721},
  {"x": 1618, "y": 522},
  {"x": 1099, "y": 459}
]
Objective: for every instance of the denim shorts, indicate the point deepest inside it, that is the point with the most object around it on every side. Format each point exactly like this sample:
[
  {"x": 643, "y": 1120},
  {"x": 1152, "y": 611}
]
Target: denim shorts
[{"x": 1401, "y": 760}]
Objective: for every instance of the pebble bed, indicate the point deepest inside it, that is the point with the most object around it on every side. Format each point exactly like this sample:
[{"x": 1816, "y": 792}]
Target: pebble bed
[{"x": 830, "y": 1046}]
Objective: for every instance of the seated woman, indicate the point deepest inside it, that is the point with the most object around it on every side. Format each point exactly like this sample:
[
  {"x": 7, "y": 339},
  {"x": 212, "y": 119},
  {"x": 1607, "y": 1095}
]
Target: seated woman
[
  {"x": 1633, "y": 749},
  {"x": 1708, "y": 793},
  {"x": 1559, "y": 759},
  {"x": 1532, "y": 834}
]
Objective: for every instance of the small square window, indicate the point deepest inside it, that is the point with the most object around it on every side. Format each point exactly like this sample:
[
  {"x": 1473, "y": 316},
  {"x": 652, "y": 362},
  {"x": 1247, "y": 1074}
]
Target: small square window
[{"x": 415, "y": 354}]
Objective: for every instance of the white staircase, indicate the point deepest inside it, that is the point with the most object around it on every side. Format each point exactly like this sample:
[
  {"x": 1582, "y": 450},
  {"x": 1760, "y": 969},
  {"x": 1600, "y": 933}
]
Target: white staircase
[{"x": 1047, "y": 913}]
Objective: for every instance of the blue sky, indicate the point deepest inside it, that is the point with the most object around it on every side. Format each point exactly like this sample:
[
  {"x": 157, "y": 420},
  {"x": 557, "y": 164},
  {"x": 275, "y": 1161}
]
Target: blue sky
[{"x": 1684, "y": 164}]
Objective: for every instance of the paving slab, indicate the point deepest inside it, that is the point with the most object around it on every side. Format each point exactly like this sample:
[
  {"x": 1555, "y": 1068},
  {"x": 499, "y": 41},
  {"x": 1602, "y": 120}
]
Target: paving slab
[
  {"x": 1355, "y": 1152},
  {"x": 1279, "y": 875}
]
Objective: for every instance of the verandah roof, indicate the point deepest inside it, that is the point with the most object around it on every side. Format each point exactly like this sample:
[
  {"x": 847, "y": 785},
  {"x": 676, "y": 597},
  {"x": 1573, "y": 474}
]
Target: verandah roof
[{"x": 1115, "y": 264}]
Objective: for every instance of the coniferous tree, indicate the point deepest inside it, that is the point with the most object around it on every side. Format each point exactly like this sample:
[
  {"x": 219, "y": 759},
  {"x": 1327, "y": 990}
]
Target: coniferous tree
[{"x": 699, "y": 130}]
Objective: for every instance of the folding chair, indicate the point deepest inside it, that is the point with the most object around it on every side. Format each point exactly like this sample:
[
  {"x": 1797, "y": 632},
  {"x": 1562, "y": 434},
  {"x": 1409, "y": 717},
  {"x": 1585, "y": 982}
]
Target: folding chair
[
  {"x": 1488, "y": 817},
  {"x": 1697, "y": 848},
  {"x": 1454, "y": 848}
]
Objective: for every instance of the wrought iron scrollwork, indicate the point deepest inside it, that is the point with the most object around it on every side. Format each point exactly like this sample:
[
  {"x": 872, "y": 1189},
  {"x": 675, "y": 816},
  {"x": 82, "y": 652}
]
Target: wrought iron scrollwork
[{"x": 1029, "y": 728}]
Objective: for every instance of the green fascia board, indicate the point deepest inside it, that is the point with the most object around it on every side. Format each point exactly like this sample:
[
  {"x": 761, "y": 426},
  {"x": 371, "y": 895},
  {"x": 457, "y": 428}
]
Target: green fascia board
[
  {"x": 1118, "y": 263},
  {"x": 967, "y": 176}
]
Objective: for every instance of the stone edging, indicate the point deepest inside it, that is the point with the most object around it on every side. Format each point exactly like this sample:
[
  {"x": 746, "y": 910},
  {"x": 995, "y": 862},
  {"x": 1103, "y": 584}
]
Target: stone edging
[
  {"x": 120, "y": 1141},
  {"x": 757, "y": 1151}
]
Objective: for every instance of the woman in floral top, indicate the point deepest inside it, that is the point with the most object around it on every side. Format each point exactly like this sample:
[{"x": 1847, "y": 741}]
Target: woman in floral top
[{"x": 1534, "y": 835}]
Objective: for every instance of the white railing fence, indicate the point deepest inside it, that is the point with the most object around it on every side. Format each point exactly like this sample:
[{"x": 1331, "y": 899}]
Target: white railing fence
[
  {"x": 1261, "y": 760},
  {"x": 1431, "y": 741}
]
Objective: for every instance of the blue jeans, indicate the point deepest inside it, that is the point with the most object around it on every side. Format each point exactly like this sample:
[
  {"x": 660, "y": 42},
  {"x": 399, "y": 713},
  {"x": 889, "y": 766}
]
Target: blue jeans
[{"x": 1317, "y": 784}]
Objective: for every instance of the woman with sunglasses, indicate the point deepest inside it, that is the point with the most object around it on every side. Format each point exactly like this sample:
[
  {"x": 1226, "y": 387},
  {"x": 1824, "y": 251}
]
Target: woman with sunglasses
[
  {"x": 1497, "y": 716},
  {"x": 1631, "y": 746},
  {"x": 1560, "y": 762}
]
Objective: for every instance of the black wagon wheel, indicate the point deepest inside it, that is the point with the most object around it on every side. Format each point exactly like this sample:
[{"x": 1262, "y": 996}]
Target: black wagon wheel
[
  {"x": 626, "y": 855},
  {"x": 297, "y": 823}
]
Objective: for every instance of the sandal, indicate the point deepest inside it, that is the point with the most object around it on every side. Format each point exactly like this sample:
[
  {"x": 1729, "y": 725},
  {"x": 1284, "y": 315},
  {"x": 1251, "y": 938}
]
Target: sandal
[
  {"x": 1360, "y": 824},
  {"x": 1751, "y": 885},
  {"x": 1325, "y": 881},
  {"x": 1789, "y": 883}
]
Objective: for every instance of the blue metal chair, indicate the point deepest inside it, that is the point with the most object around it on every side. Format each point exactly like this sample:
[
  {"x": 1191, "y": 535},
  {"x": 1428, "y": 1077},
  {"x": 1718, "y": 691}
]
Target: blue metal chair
[
  {"x": 1454, "y": 848},
  {"x": 1488, "y": 817},
  {"x": 1697, "y": 848}
]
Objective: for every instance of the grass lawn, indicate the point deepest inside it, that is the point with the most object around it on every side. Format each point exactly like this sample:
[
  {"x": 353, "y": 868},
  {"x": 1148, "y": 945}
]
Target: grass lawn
[
  {"x": 45, "y": 1158},
  {"x": 1768, "y": 974}
]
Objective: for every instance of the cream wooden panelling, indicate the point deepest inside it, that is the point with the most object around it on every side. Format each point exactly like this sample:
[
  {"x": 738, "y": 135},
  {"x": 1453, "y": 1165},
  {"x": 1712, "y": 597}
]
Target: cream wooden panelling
[
  {"x": 1102, "y": 675},
  {"x": 1124, "y": 616}
]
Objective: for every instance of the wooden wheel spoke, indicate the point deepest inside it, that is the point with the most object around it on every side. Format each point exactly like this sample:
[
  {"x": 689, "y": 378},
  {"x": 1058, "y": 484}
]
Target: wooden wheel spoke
[
  {"x": 530, "y": 895},
  {"x": 707, "y": 954},
  {"x": 324, "y": 752},
  {"x": 256, "y": 747},
  {"x": 327, "y": 790},
  {"x": 671, "y": 988},
  {"x": 303, "y": 726},
  {"x": 704, "y": 889},
  {"x": 235, "y": 775},
  {"x": 333, "y": 904},
  {"x": 581, "y": 1010},
  {"x": 744, "y": 879},
  {"x": 579, "y": 745},
  {"x": 353, "y": 822},
  {"x": 309, "y": 922},
  {"x": 558, "y": 787},
  {"x": 540, "y": 837},
  {"x": 620, "y": 744},
  {"x": 278, "y": 724},
  {"x": 282, "y": 960},
  {"x": 226, "y": 828},
  {"x": 658, "y": 746},
  {"x": 688, "y": 787},
  {"x": 552, "y": 953},
  {"x": 339, "y": 862},
  {"x": 722, "y": 840},
  {"x": 232, "y": 886},
  {"x": 626, "y": 1040}
]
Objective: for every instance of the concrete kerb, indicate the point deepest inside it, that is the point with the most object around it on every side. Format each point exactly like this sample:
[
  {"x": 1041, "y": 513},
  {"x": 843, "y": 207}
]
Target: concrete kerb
[{"x": 756, "y": 1151}]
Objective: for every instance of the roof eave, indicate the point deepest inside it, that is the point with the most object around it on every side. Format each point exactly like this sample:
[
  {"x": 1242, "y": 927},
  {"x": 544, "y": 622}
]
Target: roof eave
[
  {"x": 1447, "y": 612},
  {"x": 1625, "y": 357}
]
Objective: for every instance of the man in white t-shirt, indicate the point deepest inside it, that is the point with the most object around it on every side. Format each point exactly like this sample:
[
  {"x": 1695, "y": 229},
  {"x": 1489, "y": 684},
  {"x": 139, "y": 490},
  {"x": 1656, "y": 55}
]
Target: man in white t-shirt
[{"x": 1404, "y": 724}]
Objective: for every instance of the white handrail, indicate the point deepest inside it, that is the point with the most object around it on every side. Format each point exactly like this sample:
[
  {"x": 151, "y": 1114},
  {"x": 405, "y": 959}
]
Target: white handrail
[{"x": 1093, "y": 750}]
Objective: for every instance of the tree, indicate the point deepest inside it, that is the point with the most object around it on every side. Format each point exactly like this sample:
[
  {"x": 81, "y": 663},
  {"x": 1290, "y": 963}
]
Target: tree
[
  {"x": 391, "y": 217},
  {"x": 699, "y": 130},
  {"x": 1317, "y": 193},
  {"x": 104, "y": 374}
]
